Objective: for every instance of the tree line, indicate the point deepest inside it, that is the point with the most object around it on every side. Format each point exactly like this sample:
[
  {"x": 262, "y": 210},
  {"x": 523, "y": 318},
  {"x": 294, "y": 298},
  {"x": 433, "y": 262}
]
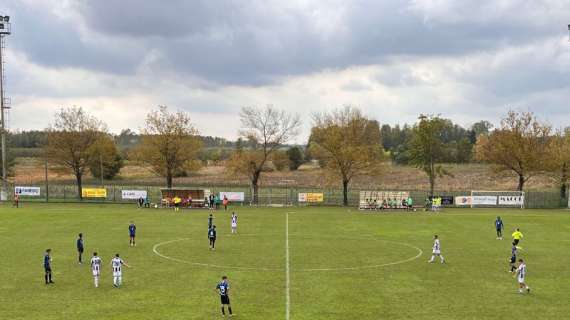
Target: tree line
[{"x": 345, "y": 142}]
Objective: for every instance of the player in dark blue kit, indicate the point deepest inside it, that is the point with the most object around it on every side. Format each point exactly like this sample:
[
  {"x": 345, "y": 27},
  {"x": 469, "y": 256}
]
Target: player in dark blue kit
[
  {"x": 210, "y": 221},
  {"x": 132, "y": 232},
  {"x": 223, "y": 288},
  {"x": 212, "y": 237},
  {"x": 499, "y": 227},
  {"x": 80, "y": 247},
  {"x": 513, "y": 260},
  {"x": 47, "y": 266}
]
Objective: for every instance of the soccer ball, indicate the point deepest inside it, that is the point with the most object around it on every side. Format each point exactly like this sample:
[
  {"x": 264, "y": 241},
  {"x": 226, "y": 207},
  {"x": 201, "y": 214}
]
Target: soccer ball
[{"x": 156, "y": 206}]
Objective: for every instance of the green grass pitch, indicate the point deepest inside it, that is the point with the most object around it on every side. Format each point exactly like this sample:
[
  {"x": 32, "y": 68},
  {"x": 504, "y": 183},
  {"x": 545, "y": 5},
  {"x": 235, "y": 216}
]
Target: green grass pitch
[{"x": 343, "y": 264}]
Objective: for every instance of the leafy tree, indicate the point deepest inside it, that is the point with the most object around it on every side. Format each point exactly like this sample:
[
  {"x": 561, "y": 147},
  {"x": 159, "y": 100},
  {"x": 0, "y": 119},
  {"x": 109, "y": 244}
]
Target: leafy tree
[
  {"x": 104, "y": 153},
  {"x": 265, "y": 130},
  {"x": 427, "y": 149},
  {"x": 558, "y": 161},
  {"x": 70, "y": 139},
  {"x": 349, "y": 143},
  {"x": 280, "y": 160},
  {"x": 169, "y": 144},
  {"x": 295, "y": 155},
  {"x": 520, "y": 146}
]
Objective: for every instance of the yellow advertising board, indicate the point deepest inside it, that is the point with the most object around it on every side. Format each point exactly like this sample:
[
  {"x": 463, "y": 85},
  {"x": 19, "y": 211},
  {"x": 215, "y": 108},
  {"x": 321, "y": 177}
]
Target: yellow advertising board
[
  {"x": 315, "y": 197},
  {"x": 94, "y": 193}
]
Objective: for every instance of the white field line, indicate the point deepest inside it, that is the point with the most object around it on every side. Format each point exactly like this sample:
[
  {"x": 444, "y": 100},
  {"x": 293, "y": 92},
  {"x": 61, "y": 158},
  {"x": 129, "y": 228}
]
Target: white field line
[{"x": 287, "y": 273}]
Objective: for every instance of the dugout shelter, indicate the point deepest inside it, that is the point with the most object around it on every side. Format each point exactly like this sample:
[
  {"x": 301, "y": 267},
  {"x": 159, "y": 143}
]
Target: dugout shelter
[{"x": 191, "y": 198}]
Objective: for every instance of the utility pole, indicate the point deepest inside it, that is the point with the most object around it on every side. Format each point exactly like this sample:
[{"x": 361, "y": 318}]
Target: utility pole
[{"x": 4, "y": 31}]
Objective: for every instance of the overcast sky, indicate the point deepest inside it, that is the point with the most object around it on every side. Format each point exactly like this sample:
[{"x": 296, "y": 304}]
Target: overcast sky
[{"x": 466, "y": 60}]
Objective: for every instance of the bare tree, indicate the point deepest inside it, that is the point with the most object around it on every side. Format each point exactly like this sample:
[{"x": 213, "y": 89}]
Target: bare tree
[
  {"x": 69, "y": 141},
  {"x": 266, "y": 130},
  {"x": 169, "y": 144}
]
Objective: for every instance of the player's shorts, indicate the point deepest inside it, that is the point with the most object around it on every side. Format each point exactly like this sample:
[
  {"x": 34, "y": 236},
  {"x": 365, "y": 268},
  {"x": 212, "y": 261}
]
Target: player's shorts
[
  {"x": 132, "y": 235},
  {"x": 516, "y": 241},
  {"x": 96, "y": 272},
  {"x": 513, "y": 259},
  {"x": 234, "y": 225},
  {"x": 47, "y": 269},
  {"x": 117, "y": 274},
  {"x": 80, "y": 250},
  {"x": 521, "y": 280},
  {"x": 436, "y": 252},
  {"x": 225, "y": 299}
]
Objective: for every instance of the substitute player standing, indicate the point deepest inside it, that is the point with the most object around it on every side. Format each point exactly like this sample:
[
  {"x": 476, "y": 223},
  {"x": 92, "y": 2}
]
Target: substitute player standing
[
  {"x": 47, "y": 266},
  {"x": 132, "y": 232},
  {"x": 499, "y": 227},
  {"x": 520, "y": 275},
  {"x": 223, "y": 288},
  {"x": 234, "y": 222},
  {"x": 96, "y": 268},
  {"x": 80, "y": 248},
  {"x": 436, "y": 250},
  {"x": 117, "y": 264}
]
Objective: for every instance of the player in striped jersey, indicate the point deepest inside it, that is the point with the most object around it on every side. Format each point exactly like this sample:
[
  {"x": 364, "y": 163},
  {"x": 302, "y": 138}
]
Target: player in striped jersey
[
  {"x": 96, "y": 268},
  {"x": 234, "y": 222},
  {"x": 117, "y": 264},
  {"x": 436, "y": 250},
  {"x": 520, "y": 275}
]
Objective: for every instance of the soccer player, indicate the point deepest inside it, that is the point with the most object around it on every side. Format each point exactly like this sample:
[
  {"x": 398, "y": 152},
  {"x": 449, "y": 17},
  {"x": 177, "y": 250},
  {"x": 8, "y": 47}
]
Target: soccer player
[
  {"x": 520, "y": 275},
  {"x": 80, "y": 247},
  {"x": 210, "y": 221},
  {"x": 513, "y": 260},
  {"x": 16, "y": 201},
  {"x": 132, "y": 232},
  {"x": 212, "y": 237},
  {"x": 499, "y": 227},
  {"x": 96, "y": 268},
  {"x": 234, "y": 222},
  {"x": 517, "y": 236},
  {"x": 436, "y": 250},
  {"x": 47, "y": 266},
  {"x": 117, "y": 264},
  {"x": 223, "y": 288}
]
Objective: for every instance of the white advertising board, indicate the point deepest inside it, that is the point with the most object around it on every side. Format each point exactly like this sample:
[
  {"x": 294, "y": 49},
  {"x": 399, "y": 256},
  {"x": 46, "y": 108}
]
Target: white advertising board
[
  {"x": 27, "y": 191},
  {"x": 233, "y": 196},
  {"x": 484, "y": 200},
  {"x": 133, "y": 194}
]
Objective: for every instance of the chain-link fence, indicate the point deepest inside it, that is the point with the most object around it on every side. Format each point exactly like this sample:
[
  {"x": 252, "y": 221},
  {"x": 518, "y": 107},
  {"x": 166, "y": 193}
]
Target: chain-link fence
[{"x": 267, "y": 196}]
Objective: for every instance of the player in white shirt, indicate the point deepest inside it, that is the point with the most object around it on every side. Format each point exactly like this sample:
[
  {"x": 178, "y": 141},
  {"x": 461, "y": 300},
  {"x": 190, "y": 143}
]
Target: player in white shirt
[
  {"x": 234, "y": 222},
  {"x": 96, "y": 268},
  {"x": 436, "y": 250},
  {"x": 520, "y": 275},
  {"x": 117, "y": 264}
]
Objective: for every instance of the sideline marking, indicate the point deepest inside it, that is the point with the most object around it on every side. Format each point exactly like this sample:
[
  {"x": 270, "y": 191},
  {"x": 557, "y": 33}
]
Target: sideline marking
[{"x": 287, "y": 273}]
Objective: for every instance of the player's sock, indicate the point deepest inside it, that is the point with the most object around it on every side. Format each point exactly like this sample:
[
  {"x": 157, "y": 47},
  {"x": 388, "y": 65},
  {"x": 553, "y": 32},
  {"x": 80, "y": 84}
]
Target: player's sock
[
  {"x": 223, "y": 311},
  {"x": 432, "y": 258},
  {"x": 96, "y": 282},
  {"x": 442, "y": 259},
  {"x": 49, "y": 277},
  {"x": 46, "y": 276},
  {"x": 115, "y": 281},
  {"x": 230, "y": 310}
]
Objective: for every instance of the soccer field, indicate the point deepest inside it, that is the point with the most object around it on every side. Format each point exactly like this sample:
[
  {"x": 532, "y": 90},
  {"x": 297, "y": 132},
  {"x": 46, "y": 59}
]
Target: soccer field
[{"x": 284, "y": 263}]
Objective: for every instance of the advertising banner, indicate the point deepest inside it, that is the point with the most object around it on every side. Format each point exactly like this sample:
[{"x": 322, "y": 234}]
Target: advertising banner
[
  {"x": 27, "y": 191},
  {"x": 485, "y": 200},
  {"x": 133, "y": 194},
  {"x": 94, "y": 193},
  {"x": 511, "y": 200},
  {"x": 463, "y": 201},
  {"x": 311, "y": 197},
  {"x": 233, "y": 196}
]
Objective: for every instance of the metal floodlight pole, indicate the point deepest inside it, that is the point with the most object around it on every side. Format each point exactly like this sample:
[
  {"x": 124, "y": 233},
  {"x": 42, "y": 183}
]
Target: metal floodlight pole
[{"x": 4, "y": 30}]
